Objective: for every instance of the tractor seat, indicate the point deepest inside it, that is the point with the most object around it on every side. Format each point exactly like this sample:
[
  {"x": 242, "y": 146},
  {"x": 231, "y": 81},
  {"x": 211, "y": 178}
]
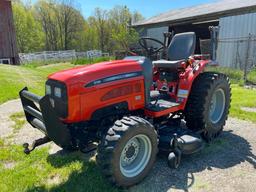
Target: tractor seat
[
  {"x": 180, "y": 49},
  {"x": 171, "y": 65}
]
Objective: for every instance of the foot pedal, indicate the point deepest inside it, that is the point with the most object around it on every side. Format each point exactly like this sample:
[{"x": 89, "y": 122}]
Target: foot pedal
[{"x": 89, "y": 148}]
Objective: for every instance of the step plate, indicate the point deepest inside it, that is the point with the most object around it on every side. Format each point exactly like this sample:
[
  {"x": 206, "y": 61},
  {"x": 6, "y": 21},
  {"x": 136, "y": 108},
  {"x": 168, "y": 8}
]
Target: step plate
[{"x": 161, "y": 105}]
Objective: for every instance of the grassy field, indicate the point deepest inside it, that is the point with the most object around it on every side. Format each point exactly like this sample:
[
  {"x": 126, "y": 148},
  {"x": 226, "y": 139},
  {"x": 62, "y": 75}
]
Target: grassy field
[
  {"x": 33, "y": 75},
  {"x": 235, "y": 75},
  {"x": 14, "y": 78},
  {"x": 243, "y": 98},
  {"x": 43, "y": 172}
]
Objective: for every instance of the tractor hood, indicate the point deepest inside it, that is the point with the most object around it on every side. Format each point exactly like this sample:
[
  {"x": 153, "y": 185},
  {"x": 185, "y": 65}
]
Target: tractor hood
[{"x": 88, "y": 73}]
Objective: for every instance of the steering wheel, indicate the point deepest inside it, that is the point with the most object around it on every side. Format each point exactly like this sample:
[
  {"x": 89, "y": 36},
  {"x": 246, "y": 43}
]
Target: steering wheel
[{"x": 150, "y": 50}]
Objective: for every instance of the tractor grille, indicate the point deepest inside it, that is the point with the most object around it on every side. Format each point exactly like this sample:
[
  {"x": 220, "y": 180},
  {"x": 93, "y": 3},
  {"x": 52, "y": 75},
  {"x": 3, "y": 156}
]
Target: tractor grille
[{"x": 60, "y": 104}]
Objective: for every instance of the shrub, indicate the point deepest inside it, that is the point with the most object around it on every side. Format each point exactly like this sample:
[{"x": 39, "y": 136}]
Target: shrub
[{"x": 234, "y": 74}]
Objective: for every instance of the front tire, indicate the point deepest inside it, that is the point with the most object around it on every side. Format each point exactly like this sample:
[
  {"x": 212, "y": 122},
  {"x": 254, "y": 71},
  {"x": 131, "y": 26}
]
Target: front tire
[
  {"x": 208, "y": 104},
  {"x": 128, "y": 151}
]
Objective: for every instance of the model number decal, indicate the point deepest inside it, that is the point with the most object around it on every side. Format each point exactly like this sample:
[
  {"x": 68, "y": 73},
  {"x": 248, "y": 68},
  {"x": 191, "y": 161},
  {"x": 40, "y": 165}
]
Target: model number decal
[{"x": 114, "y": 78}]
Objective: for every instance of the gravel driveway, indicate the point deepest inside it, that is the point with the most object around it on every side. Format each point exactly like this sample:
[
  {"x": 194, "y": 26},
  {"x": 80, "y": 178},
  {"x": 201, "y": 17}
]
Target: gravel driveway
[{"x": 229, "y": 164}]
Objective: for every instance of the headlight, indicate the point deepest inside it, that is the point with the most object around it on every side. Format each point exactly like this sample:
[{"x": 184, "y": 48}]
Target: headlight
[
  {"x": 57, "y": 92},
  {"x": 48, "y": 90}
]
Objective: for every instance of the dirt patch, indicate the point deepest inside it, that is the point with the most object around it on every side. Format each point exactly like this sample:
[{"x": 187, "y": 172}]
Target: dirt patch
[
  {"x": 250, "y": 87},
  {"x": 28, "y": 134},
  {"x": 25, "y": 134},
  {"x": 9, "y": 165},
  {"x": 249, "y": 109},
  {"x": 54, "y": 179},
  {"x": 6, "y": 110}
]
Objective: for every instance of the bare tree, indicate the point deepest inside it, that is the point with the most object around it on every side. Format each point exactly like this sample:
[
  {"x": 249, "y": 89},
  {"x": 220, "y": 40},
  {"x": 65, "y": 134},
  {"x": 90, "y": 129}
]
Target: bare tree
[
  {"x": 61, "y": 22},
  {"x": 70, "y": 22},
  {"x": 101, "y": 23},
  {"x": 46, "y": 15}
]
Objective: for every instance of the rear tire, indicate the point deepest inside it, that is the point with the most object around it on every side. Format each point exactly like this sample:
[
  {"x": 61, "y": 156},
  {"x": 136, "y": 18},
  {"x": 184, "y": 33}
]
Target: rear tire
[
  {"x": 208, "y": 104},
  {"x": 128, "y": 151}
]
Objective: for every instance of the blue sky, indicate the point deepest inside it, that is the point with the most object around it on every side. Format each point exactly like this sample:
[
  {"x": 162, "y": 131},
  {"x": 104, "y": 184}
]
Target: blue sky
[{"x": 147, "y": 8}]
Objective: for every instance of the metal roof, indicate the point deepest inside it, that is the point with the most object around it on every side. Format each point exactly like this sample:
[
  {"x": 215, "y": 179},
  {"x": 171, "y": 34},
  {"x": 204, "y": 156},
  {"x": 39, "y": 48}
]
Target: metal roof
[{"x": 210, "y": 11}]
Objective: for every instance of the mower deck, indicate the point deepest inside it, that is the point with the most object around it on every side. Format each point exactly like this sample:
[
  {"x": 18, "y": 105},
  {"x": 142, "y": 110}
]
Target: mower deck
[{"x": 188, "y": 142}]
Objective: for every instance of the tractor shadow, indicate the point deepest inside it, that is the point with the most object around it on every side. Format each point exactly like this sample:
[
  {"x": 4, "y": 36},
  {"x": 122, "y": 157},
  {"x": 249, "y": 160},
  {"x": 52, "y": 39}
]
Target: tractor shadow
[{"x": 227, "y": 151}]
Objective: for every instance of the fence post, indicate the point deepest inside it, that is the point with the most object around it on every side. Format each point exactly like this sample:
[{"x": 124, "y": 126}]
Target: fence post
[
  {"x": 45, "y": 57},
  {"x": 214, "y": 41},
  {"x": 247, "y": 59},
  {"x": 74, "y": 54}
]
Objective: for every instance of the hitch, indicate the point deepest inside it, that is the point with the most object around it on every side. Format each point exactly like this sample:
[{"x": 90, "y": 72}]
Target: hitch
[{"x": 28, "y": 149}]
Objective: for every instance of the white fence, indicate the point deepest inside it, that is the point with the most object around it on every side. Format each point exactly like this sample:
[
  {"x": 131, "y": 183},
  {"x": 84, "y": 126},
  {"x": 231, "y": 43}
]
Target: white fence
[{"x": 59, "y": 55}]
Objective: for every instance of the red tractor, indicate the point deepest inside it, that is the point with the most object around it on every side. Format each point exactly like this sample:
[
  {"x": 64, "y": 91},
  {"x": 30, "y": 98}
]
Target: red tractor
[{"x": 132, "y": 108}]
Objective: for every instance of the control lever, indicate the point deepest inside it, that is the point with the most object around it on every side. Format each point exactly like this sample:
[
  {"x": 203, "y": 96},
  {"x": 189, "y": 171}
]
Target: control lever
[{"x": 167, "y": 39}]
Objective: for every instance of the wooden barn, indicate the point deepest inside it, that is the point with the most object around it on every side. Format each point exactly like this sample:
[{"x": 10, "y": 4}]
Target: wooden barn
[{"x": 8, "y": 46}]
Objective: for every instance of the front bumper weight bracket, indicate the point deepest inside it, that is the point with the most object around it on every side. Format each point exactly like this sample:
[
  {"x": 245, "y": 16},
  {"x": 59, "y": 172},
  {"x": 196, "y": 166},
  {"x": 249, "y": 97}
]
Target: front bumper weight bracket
[{"x": 43, "y": 117}]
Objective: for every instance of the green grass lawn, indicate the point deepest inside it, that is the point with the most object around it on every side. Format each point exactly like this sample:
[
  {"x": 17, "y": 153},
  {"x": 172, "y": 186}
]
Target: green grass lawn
[
  {"x": 14, "y": 78},
  {"x": 235, "y": 75},
  {"x": 40, "y": 171},
  {"x": 242, "y": 97}
]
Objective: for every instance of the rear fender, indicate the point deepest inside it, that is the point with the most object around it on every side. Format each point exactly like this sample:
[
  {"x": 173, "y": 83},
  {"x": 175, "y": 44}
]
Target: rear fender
[{"x": 187, "y": 79}]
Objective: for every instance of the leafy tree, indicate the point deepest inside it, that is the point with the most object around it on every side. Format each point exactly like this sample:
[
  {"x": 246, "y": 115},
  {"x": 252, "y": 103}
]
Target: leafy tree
[
  {"x": 123, "y": 35},
  {"x": 70, "y": 23},
  {"x": 103, "y": 29},
  {"x": 59, "y": 25},
  {"x": 47, "y": 16},
  {"x": 90, "y": 38},
  {"x": 28, "y": 30},
  {"x": 137, "y": 17},
  {"x": 125, "y": 38}
]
